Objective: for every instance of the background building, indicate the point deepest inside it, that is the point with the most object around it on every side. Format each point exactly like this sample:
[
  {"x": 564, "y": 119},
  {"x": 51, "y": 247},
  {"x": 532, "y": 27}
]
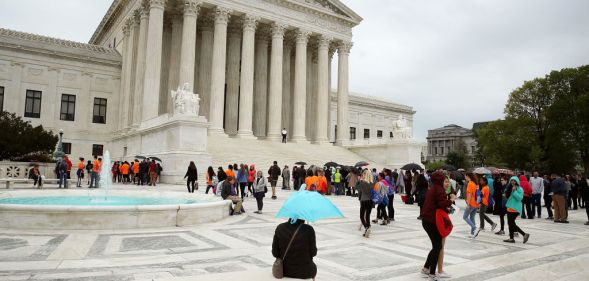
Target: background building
[{"x": 449, "y": 138}]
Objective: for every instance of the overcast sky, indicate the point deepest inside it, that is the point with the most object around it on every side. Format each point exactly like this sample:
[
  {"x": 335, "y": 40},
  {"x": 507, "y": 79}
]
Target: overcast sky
[{"x": 454, "y": 61}]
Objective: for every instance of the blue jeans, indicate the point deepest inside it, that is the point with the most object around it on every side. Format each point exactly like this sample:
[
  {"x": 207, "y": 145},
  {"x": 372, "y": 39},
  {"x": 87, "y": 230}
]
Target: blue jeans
[
  {"x": 536, "y": 204},
  {"x": 469, "y": 217},
  {"x": 94, "y": 179},
  {"x": 63, "y": 179}
]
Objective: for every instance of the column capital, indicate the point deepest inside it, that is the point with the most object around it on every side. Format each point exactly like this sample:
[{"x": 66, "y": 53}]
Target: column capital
[
  {"x": 332, "y": 49},
  {"x": 323, "y": 41},
  {"x": 156, "y": 4},
  {"x": 250, "y": 22},
  {"x": 302, "y": 36},
  {"x": 207, "y": 22},
  {"x": 144, "y": 10},
  {"x": 127, "y": 27},
  {"x": 137, "y": 16},
  {"x": 190, "y": 7},
  {"x": 278, "y": 29},
  {"x": 222, "y": 15},
  {"x": 344, "y": 47}
]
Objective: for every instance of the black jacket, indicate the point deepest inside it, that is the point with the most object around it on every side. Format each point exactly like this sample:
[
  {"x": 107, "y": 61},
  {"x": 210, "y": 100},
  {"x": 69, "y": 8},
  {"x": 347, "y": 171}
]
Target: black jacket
[
  {"x": 298, "y": 262},
  {"x": 191, "y": 174},
  {"x": 274, "y": 172}
]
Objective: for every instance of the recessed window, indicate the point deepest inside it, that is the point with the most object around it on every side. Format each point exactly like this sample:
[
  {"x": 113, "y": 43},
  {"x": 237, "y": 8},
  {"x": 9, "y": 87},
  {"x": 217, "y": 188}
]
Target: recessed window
[
  {"x": 379, "y": 134},
  {"x": 435, "y": 150},
  {"x": 67, "y": 147},
  {"x": 99, "y": 115},
  {"x": 1, "y": 98},
  {"x": 442, "y": 150},
  {"x": 366, "y": 133},
  {"x": 97, "y": 149},
  {"x": 33, "y": 104},
  {"x": 352, "y": 133},
  {"x": 391, "y": 135},
  {"x": 68, "y": 107}
]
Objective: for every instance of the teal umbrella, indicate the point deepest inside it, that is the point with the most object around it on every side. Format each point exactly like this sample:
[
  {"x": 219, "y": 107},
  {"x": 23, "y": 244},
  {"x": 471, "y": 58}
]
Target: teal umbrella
[{"x": 310, "y": 206}]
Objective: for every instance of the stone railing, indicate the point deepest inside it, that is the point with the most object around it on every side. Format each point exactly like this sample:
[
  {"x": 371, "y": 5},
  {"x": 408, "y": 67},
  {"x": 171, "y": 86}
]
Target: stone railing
[{"x": 20, "y": 170}]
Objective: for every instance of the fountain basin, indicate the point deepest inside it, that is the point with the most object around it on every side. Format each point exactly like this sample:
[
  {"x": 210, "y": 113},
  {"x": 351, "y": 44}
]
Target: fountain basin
[{"x": 176, "y": 209}]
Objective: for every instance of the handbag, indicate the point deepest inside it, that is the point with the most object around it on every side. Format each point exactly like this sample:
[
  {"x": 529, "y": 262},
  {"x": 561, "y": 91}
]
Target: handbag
[{"x": 278, "y": 266}]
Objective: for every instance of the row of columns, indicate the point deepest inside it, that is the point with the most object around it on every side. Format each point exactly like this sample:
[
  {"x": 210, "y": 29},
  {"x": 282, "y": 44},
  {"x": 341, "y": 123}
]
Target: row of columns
[{"x": 242, "y": 80}]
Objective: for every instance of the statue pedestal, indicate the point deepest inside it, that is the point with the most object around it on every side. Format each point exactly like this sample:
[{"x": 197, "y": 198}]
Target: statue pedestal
[
  {"x": 394, "y": 154},
  {"x": 176, "y": 140}
]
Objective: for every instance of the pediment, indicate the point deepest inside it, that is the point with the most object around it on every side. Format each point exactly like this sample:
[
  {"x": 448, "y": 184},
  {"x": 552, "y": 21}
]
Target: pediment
[{"x": 332, "y": 6}]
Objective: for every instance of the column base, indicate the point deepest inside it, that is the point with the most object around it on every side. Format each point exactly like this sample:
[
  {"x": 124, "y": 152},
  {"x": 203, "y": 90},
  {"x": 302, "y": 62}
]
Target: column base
[
  {"x": 246, "y": 135},
  {"x": 302, "y": 140},
  {"x": 342, "y": 143},
  {"x": 217, "y": 132}
]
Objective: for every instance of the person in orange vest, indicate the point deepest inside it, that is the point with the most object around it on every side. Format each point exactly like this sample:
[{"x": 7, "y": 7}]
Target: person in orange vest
[
  {"x": 80, "y": 172},
  {"x": 135, "y": 170},
  {"x": 97, "y": 167},
  {"x": 124, "y": 169}
]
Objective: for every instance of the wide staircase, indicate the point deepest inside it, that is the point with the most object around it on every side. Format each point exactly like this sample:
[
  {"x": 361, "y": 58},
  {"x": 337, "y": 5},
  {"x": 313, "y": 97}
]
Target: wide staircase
[{"x": 229, "y": 150}]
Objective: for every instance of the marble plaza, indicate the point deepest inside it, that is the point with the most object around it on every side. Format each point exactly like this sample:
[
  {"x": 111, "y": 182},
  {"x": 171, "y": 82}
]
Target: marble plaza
[{"x": 238, "y": 248}]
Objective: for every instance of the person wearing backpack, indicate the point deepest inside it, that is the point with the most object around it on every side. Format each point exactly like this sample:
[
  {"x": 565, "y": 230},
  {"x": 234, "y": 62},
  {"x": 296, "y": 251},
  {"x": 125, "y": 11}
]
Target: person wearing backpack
[
  {"x": 486, "y": 201},
  {"x": 260, "y": 188},
  {"x": 382, "y": 188},
  {"x": 61, "y": 172},
  {"x": 471, "y": 204}
]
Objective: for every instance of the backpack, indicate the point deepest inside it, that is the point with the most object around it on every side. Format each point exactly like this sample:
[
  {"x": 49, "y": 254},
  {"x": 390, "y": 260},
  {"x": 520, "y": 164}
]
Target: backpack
[
  {"x": 376, "y": 198},
  {"x": 214, "y": 181},
  {"x": 479, "y": 196}
]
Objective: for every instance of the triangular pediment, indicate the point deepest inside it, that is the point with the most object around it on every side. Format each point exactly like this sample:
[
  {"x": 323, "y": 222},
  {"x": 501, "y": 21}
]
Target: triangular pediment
[{"x": 332, "y": 6}]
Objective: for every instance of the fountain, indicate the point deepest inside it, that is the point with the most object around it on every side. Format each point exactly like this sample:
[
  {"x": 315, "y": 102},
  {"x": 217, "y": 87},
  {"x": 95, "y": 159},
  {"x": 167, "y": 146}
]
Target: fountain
[{"x": 104, "y": 208}]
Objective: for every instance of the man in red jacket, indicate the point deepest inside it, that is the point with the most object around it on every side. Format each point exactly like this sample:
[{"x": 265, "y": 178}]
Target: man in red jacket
[{"x": 527, "y": 200}]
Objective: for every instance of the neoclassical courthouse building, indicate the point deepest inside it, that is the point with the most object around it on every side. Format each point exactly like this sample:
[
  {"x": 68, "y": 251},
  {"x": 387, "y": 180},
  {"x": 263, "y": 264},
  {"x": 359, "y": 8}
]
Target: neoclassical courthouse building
[{"x": 256, "y": 66}]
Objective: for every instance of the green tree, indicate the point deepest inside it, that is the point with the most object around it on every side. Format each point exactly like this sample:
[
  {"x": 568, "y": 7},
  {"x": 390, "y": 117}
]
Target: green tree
[
  {"x": 432, "y": 166},
  {"x": 456, "y": 159},
  {"x": 20, "y": 138}
]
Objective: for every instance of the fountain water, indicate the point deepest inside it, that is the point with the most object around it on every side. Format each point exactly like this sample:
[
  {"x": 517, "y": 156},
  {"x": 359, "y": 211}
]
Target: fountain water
[{"x": 106, "y": 175}]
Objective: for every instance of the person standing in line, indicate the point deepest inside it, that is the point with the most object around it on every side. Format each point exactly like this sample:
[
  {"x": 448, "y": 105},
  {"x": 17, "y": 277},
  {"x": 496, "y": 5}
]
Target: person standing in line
[
  {"x": 514, "y": 206},
  {"x": 61, "y": 172},
  {"x": 471, "y": 205},
  {"x": 584, "y": 190},
  {"x": 527, "y": 200},
  {"x": 96, "y": 169},
  {"x": 114, "y": 171},
  {"x": 548, "y": 197},
  {"x": 537, "y": 188},
  {"x": 321, "y": 182},
  {"x": 328, "y": 175},
  {"x": 273, "y": 174},
  {"x": 365, "y": 196},
  {"x": 69, "y": 166},
  {"x": 421, "y": 186},
  {"x": 152, "y": 173},
  {"x": 221, "y": 175},
  {"x": 435, "y": 199},
  {"x": 89, "y": 168},
  {"x": 337, "y": 181},
  {"x": 382, "y": 187},
  {"x": 485, "y": 195},
  {"x": 558, "y": 196},
  {"x": 158, "y": 173},
  {"x": 286, "y": 178},
  {"x": 250, "y": 178},
  {"x": 242, "y": 175},
  {"x": 211, "y": 179},
  {"x": 302, "y": 174},
  {"x": 390, "y": 195},
  {"x": 125, "y": 168},
  {"x": 80, "y": 172},
  {"x": 501, "y": 184},
  {"x": 191, "y": 177},
  {"x": 135, "y": 169},
  {"x": 284, "y": 133},
  {"x": 260, "y": 188}
]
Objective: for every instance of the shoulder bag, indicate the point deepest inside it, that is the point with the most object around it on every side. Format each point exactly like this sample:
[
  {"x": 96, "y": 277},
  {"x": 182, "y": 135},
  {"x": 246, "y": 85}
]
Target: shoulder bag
[{"x": 278, "y": 266}]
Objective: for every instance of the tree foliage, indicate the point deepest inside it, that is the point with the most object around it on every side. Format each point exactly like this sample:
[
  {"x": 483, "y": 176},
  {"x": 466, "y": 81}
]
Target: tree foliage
[
  {"x": 546, "y": 125},
  {"x": 19, "y": 138}
]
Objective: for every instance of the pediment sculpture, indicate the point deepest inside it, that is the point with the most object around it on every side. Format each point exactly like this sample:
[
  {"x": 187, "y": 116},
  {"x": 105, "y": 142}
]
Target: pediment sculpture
[{"x": 401, "y": 129}]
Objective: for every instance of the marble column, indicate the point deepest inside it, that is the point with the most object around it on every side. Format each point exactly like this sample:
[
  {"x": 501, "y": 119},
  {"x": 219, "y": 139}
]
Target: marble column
[
  {"x": 275, "y": 95},
  {"x": 218, "y": 72},
  {"x": 153, "y": 60},
  {"x": 330, "y": 124},
  {"x": 205, "y": 65},
  {"x": 286, "y": 86},
  {"x": 322, "y": 90},
  {"x": 246, "y": 95},
  {"x": 187, "y": 53},
  {"x": 343, "y": 127},
  {"x": 261, "y": 83},
  {"x": 232, "y": 96},
  {"x": 164, "y": 94},
  {"x": 140, "y": 67},
  {"x": 127, "y": 67},
  {"x": 174, "y": 73},
  {"x": 300, "y": 87}
]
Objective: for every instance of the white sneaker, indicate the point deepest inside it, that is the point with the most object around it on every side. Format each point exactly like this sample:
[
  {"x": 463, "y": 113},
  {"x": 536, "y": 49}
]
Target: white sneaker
[
  {"x": 443, "y": 274},
  {"x": 367, "y": 233},
  {"x": 425, "y": 272},
  {"x": 434, "y": 278},
  {"x": 476, "y": 232}
]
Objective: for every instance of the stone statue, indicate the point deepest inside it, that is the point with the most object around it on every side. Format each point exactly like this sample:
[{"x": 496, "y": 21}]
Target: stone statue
[
  {"x": 401, "y": 129},
  {"x": 185, "y": 102}
]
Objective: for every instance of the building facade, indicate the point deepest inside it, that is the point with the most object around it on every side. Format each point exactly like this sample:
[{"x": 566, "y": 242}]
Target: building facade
[{"x": 449, "y": 138}]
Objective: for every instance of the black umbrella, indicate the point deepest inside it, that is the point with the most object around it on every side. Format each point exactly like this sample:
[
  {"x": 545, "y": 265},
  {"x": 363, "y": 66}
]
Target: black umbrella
[
  {"x": 361, "y": 164},
  {"x": 300, "y": 163},
  {"x": 457, "y": 175},
  {"x": 448, "y": 167},
  {"x": 411, "y": 167},
  {"x": 139, "y": 157},
  {"x": 155, "y": 158},
  {"x": 331, "y": 164}
]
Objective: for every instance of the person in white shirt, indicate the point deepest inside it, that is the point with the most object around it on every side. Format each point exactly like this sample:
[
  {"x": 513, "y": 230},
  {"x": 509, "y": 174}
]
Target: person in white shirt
[
  {"x": 284, "y": 133},
  {"x": 537, "y": 188}
]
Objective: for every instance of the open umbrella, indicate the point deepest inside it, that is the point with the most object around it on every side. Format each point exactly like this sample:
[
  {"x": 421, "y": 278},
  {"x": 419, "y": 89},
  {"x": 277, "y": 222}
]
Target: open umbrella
[
  {"x": 331, "y": 164},
  {"x": 411, "y": 167},
  {"x": 155, "y": 158},
  {"x": 457, "y": 175},
  {"x": 139, "y": 157},
  {"x": 309, "y": 206},
  {"x": 448, "y": 167},
  {"x": 482, "y": 171},
  {"x": 505, "y": 171},
  {"x": 300, "y": 163},
  {"x": 361, "y": 164}
]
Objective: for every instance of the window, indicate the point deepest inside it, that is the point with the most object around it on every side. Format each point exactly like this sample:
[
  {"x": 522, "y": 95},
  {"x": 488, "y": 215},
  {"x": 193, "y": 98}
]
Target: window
[
  {"x": 33, "y": 104},
  {"x": 379, "y": 134},
  {"x": 442, "y": 150},
  {"x": 67, "y": 147},
  {"x": 449, "y": 149},
  {"x": 436, "y": 150},
  {"x": 352, "y": 133},
  {"x": 99, "y": 115},
  {"x": 391, "y": 135},
  {"x": 366, "y": 133},
  {"x": 1, "y": 99},
  {"x": 97, "y": 149},
  {"x": 68, "y": 107}
]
